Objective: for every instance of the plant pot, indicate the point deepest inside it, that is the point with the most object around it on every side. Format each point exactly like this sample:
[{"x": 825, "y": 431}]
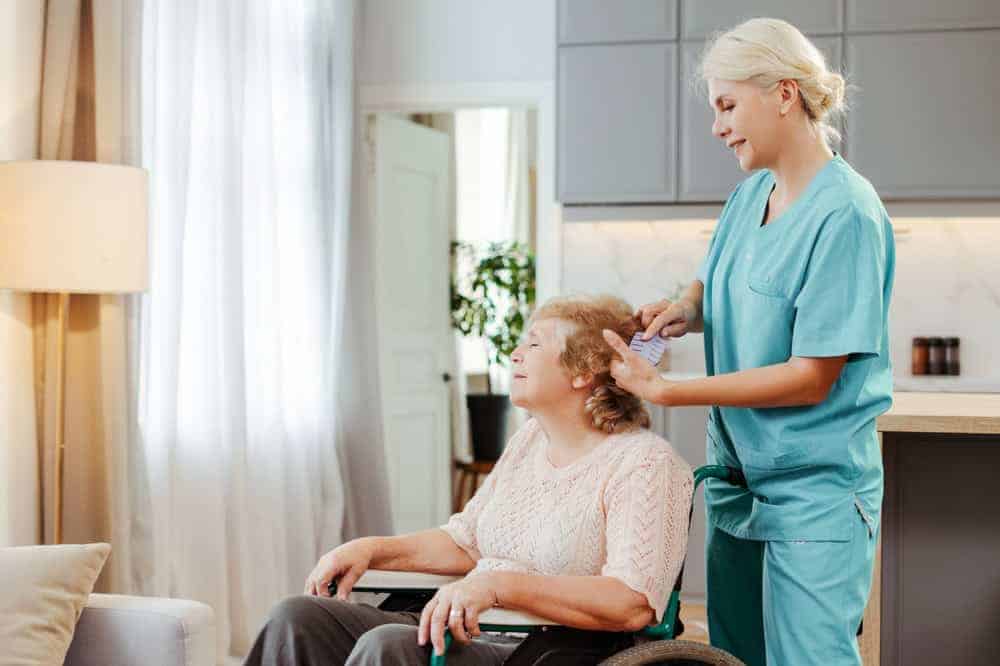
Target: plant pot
[{"x": 487, "y": 421}]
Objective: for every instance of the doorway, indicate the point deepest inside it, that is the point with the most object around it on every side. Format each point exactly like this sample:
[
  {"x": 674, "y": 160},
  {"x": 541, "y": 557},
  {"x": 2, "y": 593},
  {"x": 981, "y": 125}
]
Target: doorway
[{"x": 502, "y": 189}]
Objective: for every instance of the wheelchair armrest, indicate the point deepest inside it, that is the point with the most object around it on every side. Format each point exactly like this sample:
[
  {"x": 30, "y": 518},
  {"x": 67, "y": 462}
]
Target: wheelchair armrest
[
  {"x": 493, "y": 619},
  {"x": 377, "y": 580},
  {"x": 503, "y": 619}
]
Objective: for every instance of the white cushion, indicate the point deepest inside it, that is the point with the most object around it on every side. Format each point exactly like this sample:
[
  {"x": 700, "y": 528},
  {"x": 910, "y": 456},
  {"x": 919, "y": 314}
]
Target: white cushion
[
  {"x": 44, "y": 591},
  {"x": 120, "y": 630}
]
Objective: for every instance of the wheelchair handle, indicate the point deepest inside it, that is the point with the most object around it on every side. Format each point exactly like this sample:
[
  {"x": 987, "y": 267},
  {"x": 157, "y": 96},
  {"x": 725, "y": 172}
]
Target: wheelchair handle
[{"x": 731, "y": 475}]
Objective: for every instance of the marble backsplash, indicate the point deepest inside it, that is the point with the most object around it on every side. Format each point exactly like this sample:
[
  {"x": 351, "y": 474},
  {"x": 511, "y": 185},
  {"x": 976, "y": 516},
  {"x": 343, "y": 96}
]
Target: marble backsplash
[{"x": 947, "y": 282}]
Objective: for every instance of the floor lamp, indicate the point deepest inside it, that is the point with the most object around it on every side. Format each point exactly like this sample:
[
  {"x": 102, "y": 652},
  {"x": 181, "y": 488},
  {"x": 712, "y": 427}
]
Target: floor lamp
[{"x": 71, "y": 227}]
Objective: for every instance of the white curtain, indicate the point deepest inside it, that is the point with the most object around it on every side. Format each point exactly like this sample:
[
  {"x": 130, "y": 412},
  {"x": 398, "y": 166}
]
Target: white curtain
[
  {"x": 21, "y": 38},
  {"x": 247, "y": 137},
  {"x": 518, "y": 196}
]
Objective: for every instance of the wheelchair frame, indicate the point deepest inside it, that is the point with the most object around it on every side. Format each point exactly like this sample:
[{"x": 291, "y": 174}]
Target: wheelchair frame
[{"x": 667, "y": 629}]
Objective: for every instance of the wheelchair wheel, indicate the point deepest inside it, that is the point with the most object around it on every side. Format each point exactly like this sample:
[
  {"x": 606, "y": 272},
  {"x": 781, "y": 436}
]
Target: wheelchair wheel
[{"x": 675, "y": 653}]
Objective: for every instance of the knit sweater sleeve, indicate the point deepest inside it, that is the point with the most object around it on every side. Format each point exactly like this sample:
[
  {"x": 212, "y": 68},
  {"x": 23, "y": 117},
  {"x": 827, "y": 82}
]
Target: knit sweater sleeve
[{"x": 647, "y": 503}]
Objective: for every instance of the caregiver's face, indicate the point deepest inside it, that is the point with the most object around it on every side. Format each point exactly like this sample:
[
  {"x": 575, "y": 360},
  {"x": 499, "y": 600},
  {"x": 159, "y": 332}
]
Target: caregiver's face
[
  {"x": 745, "y": 120},
  {"x": 538, "y": 378}
]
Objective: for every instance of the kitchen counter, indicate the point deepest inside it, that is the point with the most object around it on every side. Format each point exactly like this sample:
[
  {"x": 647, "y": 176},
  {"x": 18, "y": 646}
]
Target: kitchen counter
[
  {"x": 939, "y": 522},
  {"x": 922, "y": 409},
  {"x": 952, "y": 413},
  {"x": 901, "y": 383}
]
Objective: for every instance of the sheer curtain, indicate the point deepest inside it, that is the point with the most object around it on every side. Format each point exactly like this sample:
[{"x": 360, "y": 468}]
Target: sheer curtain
[{"x": 249, "y": 150}]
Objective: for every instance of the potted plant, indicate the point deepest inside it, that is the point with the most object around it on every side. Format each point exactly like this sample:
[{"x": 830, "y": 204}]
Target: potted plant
[{"x": 492, "y": 293}]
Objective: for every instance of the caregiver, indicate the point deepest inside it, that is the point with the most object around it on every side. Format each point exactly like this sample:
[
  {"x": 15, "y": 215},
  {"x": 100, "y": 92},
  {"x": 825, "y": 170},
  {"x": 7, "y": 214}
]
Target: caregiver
[{"x": 793, "y": 300}]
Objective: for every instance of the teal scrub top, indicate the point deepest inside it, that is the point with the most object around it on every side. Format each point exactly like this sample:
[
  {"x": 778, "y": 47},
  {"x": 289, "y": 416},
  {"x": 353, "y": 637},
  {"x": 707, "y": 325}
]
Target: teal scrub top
[{"x": 814, "y": 282}]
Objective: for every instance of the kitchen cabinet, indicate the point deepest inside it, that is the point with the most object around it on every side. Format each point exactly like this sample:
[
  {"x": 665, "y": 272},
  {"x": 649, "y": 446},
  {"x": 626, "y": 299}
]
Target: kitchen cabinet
[
  {"x": 937, "y": 598},
  {"x": 925, "y": 122},
  {"x": 922, "y": 124},
  {"x": 933, "y": 598},
  {"x": 894, "y": 15},
  {"x": 701, "y": 18},
  {"x": 707, "y": 170},
  {"x": 941, "y": 536},
  {"x": 600, "y": 21},
  {"x": 617, "y": 115}
]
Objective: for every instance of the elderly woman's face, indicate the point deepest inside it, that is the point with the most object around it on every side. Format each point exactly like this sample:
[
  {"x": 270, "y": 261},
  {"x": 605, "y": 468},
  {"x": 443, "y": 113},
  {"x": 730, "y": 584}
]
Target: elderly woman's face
[{"x": 537, "y": 377}]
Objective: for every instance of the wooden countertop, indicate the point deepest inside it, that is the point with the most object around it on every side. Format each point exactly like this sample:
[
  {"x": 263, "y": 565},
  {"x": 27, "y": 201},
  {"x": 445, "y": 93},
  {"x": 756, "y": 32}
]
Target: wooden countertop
[{"x": 958, "y": 413}]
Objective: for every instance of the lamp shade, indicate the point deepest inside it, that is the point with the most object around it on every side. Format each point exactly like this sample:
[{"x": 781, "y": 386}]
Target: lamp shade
[{"x": 78, "y": 227}]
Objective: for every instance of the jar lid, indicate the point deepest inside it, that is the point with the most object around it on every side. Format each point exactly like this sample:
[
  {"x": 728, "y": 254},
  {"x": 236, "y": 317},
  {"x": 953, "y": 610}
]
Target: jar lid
[
  {"x": 920, "y": 341},
  {"x": 951, "y": 342},
  {"x": 935, "y": 341}
]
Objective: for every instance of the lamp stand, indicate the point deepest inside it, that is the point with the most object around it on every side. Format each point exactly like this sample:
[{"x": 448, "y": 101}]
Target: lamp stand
[{"x": 60, "y": 410}]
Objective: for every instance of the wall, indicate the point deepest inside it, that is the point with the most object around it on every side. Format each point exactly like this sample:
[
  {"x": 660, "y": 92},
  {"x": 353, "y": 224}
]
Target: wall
[
  {"x": 947, "y": 282},
  {"x": 452, "y": 41}
]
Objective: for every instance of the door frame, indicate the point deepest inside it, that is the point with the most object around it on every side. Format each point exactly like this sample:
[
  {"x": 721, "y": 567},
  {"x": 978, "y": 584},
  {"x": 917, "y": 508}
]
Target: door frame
[{"x": 449, "y": 97}]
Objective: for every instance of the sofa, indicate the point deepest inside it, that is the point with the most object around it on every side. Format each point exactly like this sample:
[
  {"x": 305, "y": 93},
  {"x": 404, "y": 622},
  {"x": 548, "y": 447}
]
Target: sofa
[{"x": 120, "y": 630}]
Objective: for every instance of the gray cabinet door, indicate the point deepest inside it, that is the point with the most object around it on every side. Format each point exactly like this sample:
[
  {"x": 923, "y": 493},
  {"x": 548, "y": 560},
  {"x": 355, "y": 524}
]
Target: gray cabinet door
[
  {"x": 616, "y": 121},
  {"x": 892, "y": 15},
  {"x": 602, "y": 21},
  {"x": 940, "y": 539},
  {"x": 708, "y": 171},
  {"x": 700, "y": 18},
  {"x": 925, "y": 124}
]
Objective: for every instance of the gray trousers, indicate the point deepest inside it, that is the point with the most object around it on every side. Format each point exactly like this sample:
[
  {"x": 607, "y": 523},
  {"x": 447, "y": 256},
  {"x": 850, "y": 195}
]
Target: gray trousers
[{"x": 307, "y": 630}]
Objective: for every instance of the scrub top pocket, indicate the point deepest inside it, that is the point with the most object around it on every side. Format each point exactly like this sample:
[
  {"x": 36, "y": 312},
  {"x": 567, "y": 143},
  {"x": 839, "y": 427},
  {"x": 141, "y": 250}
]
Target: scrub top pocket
[{"x": 766, "y": 328}]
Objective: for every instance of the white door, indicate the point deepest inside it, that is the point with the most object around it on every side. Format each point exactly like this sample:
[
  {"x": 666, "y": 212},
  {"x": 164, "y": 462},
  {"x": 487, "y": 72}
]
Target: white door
[{"x": 408, "y": 198}]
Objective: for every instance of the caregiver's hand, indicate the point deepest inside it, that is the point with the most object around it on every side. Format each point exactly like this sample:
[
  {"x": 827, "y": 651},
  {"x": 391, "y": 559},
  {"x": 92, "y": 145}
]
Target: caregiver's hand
[
  {"x": 634, "y": 373},
  {"x": 456, "y": 606},
  {"x": 346, "y": 563},
  {"x": 667, "y": 318}
]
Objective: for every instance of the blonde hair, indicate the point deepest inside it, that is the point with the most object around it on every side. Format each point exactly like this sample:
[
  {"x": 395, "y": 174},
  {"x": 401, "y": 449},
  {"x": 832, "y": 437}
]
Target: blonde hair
[
  {"x": 612, "y": 409},
  {"x": 766, "y": 51}
]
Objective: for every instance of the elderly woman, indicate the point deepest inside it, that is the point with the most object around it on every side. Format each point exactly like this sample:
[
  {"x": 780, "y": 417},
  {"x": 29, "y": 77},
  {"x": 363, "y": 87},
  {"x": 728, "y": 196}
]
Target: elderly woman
[{"x": 583, "y": 521}]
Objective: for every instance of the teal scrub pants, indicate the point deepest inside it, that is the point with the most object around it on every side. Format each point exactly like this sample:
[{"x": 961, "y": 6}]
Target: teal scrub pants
[{"x": 789, "y": 603}]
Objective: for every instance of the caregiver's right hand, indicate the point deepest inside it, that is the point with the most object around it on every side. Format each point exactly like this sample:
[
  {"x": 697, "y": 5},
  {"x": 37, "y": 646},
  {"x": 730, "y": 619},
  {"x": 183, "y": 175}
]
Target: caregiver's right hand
[
  {"x": 667, "y": 318},
  {"x": 345, "y": 563}
]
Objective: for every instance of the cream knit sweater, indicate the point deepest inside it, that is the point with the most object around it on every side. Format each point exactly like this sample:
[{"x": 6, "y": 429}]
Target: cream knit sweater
[{"x": 621, "y": 510}]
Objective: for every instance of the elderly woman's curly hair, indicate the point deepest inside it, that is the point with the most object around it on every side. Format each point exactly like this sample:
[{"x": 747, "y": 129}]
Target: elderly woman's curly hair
[{"x": 611, "y": 408}]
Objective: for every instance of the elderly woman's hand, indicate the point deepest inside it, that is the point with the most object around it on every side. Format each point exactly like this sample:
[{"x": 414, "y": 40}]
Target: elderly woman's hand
[
  {"x": 457, "y": 606},
  {"x": 634, "y": 373},
  {"x": 345, "y": 563}
]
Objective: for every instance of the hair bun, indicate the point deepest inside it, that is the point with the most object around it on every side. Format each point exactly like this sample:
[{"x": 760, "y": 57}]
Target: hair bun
[{"x": 834, "y": 84}]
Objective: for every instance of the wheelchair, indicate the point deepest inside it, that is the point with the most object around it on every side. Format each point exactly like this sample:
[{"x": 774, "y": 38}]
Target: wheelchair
[{"x": 555, "y": 645}]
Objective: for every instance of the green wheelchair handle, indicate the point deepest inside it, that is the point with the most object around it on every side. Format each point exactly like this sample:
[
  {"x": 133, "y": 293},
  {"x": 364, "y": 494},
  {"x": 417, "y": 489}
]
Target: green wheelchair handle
[
  {"x": 440, "y": 659},
  {"x": 731, "y": 475}
]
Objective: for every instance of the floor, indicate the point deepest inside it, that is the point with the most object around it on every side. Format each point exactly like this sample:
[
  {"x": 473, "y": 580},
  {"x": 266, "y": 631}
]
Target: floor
[{"x": 695, "y": 622}]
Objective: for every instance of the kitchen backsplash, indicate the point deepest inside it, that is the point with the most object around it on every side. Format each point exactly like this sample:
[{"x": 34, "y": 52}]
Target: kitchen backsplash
[{"x": 947, "y": 281}]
